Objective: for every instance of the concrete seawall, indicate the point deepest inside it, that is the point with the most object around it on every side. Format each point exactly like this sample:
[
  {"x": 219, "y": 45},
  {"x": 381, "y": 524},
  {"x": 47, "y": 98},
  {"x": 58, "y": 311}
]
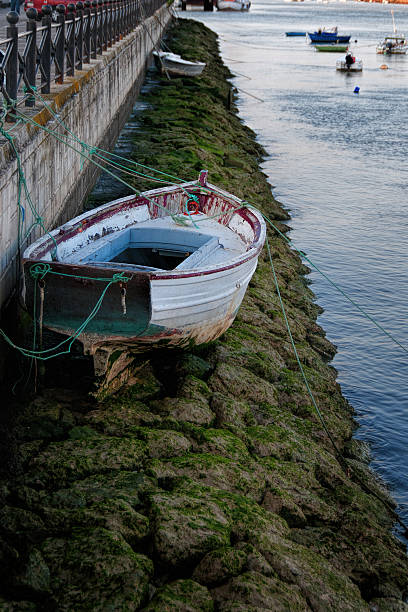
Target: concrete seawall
[{"x": 94, "y": 106}]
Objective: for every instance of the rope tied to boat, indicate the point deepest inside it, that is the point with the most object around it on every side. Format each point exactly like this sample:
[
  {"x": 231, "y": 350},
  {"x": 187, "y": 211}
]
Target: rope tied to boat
[{"x": 38, "y": 272}]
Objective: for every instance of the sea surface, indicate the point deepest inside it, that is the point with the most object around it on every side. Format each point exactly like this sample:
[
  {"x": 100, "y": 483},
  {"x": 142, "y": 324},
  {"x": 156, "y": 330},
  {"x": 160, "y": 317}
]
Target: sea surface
[{"x": 338, "y": 163}]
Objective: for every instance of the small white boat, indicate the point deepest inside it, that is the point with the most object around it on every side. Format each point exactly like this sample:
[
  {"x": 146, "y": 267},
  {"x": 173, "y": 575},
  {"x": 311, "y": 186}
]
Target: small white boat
[
  {"x": 233, "y": 5},
  {"x": 394, "y": 44},
  {"x": 176, "y": 260},
  {"x": 171, "y": 63},
  {"x": 349, "y": 65}
]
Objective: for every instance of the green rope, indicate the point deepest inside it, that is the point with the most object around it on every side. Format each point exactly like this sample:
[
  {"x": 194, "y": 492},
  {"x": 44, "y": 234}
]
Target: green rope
[
  {"x": 341, "y": 460},
  {"x": 103, "y": 151},
  {"x": 81, "y": 152},
  {"x": 309, "y": 390},
  {"x": 39, "y": 271},
  {"x": 337, "y": 287},
  {"x": 22, "y": 187}
]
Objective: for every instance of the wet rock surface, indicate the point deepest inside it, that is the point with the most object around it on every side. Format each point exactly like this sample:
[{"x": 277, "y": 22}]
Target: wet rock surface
[{"x": 209, "y": 483}]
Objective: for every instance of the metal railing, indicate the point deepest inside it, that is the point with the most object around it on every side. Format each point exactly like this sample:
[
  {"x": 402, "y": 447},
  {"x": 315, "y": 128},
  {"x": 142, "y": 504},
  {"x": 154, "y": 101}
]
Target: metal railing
[{"x": 59, "y": 42}]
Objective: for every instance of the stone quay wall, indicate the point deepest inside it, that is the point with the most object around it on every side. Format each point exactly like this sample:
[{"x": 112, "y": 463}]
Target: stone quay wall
[{"x": 93, "y": 105}]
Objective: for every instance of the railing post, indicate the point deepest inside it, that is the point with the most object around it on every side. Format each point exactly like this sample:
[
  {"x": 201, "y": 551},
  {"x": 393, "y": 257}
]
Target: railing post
[
  {"x": 105, "y": 11},
  {"x": 138, "y": 13},
  {"x": 133, "y": 20},
  {"x": 100, "y": 27},
  {"x": 94, "y": 32},
  {"x": 111, "y": 37},
  {"x": 114, "y": 21},
  {"x": 87, "y": 32},
  {"x": 128, "y": 15},
  {"x": 12, "y": 64},
  {"x": 60, "y": 44},
  {"x": 70, "y": 21},
  {"x": 31, "y": 53},
  {"x": 45, "y": 59},
  {"x": 80, "y": 39},
  {"x": 120, "y": 18}
]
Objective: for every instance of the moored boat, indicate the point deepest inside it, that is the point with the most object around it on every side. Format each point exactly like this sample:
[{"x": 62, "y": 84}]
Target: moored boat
[
  {"x": 349, "y": 64},
  {"x": 328, "y": 36},
  {"x": 331, "y": 48},
  {"x": 394, "y": 44},
  {"x": 176, "y": 262},
  {"x": 295, "y": 33},
  {"x": 233, "y": 5},
  {"x": 171, "y": 63}
]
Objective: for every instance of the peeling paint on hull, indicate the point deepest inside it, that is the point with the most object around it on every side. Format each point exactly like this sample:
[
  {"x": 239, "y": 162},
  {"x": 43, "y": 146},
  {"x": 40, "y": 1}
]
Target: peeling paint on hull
[{"x": 174, "y": 307}]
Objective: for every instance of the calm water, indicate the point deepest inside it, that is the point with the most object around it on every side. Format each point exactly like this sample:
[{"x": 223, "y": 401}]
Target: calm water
[{"x": 338, "y": 163}]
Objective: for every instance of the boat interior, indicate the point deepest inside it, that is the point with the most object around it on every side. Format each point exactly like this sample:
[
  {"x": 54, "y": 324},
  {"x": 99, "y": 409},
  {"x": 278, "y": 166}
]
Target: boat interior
[{"x": 155, "y": 247}]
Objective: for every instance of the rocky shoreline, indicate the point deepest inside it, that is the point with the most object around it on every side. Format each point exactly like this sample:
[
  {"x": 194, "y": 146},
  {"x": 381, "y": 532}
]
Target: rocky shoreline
[{"x": 208, "y": 482}]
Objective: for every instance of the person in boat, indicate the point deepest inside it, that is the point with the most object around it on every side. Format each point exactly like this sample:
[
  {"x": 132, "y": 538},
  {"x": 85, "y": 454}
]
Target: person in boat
[{"x": 349, "y": 60}]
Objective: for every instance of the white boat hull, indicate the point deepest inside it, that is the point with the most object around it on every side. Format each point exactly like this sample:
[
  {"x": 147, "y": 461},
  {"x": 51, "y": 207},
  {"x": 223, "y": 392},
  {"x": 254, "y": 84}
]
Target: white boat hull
[
  {"x": 233, "y": 5},
  {"x": 188, "y": 302},
  {"x": 175, "y": 65},
  {"x": 356, "y": 67}
]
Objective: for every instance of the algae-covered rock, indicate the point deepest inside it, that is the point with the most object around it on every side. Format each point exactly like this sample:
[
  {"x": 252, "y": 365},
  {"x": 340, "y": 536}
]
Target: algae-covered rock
[
  {"x": 21, "y": 524},
  {"x": 242, "y": 384},
  {"x": 131, "y": 487},
  {"x": 186, "y": 527},
  {"x": 96, "y": 570},
  {"x": 35, "y": 577},
  {"x": 63, "y": 462},
  {"x": 119, "y": 416},
  {"x": 209, "y": 482},
  {"x": 259, "y": 592},
  {"x": 166, "y": 443},
  {"x": 183, "y": 596},
  {"x": 388, "y": 604},
  {"x": 17, "y": 606},
  {"x": 218, "y": 565},
  {"x": 116, "y": 515}
]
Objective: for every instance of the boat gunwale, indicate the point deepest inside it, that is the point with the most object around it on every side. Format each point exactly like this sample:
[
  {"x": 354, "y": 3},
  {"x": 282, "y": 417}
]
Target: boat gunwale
[{"x": 45, "y": 243}]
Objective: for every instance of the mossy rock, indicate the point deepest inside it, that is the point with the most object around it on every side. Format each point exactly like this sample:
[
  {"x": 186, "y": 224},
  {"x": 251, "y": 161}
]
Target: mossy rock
[
  {"x": 219, "y": 565},
  {"x": 242, "y": 384},
  {"x": 246, "y": 478},
  {"x": 17, "y": 606},
  {"x": 118, "y": 419},
  {"x": 185, "y": 528},
  {"x": 259, "y": 592},
  {"x": 181, "y": 596},
  {"x": 96, "y": 570},
  {"x": 131, "y": 487},
  {"x": 114, "y": 515},
  {"x": 21, "y": 524},
  {"x": 387, "y": 604},
  {"x": 64, "y": 462},
  {"x": 34, "y": 579}
]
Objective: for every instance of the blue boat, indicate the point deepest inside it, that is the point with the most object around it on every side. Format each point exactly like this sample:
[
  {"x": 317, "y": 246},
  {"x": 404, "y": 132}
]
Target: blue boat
[
  {"x": 328, "y": 37},
  {"x": 295, "y": 33}
]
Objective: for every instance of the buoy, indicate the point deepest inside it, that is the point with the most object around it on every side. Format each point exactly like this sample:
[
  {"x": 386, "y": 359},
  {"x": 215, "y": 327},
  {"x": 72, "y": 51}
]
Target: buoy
[
  {"x": 383, "y": 67},
  {"x": 356, "y": 90}
]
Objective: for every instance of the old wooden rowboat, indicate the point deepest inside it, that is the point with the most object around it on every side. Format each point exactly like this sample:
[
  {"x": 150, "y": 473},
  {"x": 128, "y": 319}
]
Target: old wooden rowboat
[
  {"x": 183, "y": 256},
  {"x": 174, "y": 64}
]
